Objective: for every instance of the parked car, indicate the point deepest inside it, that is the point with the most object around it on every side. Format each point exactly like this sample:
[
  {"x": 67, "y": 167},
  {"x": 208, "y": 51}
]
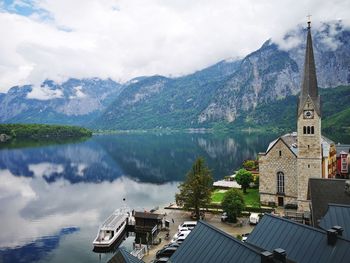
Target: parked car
[
  {"x": 189, "y": 224},
  {"x": 181, "y": 233},
  {"x": 180, "y": 240},
  {"x": 166, "y": 252},
  {"x": 254, "y": 218},
  {"x": 172, "y": 245}
]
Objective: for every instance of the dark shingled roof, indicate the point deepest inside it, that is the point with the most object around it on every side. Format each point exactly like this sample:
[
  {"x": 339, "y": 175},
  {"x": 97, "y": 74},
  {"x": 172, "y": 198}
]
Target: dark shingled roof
[
  {"x": 208, "y": 244},
  {"x": 309, "y": 87},
  {"x": 337, "y": 215},
  {"x": 325, "y": 191},
  {"x": 302, "y": 243},
  {"x": 123, "y": 256},
  {"x": 148, "y": 215}
]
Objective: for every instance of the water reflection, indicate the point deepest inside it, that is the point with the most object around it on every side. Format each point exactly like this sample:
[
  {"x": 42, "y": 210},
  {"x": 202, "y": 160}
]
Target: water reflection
[
  {"x": 36, "y": 250},
  {"x": 44, "y": 190}
]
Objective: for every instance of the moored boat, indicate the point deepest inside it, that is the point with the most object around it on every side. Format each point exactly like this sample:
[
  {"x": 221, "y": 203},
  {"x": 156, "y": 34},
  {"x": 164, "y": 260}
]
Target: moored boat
[{"x": 112, "y": 228}]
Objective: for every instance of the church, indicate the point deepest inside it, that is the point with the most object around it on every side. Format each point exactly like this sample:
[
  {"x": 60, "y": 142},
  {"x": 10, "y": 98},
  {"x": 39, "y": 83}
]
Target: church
[{"x": 290, "y": 160}]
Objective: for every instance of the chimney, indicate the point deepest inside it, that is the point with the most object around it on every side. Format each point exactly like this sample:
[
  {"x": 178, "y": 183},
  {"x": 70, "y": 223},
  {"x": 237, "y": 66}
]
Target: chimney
[
  {"x": 339, "y": 230},
  {"x": 266, "y": 257},
  {"x": 332, "y": 236},
  {"x": 280, "y": 255}
]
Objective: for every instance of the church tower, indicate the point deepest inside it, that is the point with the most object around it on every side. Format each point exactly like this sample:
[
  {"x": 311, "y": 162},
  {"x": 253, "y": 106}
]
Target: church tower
[{"x": 309, "y": 162}]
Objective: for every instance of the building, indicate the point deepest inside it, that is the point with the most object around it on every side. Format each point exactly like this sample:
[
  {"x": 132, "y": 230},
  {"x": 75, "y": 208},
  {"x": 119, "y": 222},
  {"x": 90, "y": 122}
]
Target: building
[
  {"x": 147, "y": 226},
  {"x": 207, "y": 244},
  {"x": 337, "y": 215},
  {"x": 343, "y": 160},
  {"x": 273, "y": 240},
  {"x": 290, "y": 160},
  {"x": 323, "y": 192},
  {"x": 301, "y": 243}
]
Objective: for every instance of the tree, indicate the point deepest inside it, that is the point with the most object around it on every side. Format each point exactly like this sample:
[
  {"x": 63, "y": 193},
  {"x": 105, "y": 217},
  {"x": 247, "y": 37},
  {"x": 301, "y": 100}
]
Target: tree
[
  {"x": 244, "y": 178},
  {"x": 195, "y": 191},
  {"x": 233, "y": 204}
]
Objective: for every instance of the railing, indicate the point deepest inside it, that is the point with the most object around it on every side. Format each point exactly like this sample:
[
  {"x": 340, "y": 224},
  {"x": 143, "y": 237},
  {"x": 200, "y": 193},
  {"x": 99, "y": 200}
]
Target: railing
[{"x": 139, "y": 251}]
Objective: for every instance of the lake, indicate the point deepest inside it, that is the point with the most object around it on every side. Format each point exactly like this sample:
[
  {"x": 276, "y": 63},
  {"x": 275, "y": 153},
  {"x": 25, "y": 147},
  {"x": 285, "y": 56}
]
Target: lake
[{"x": 54, "y": 197}]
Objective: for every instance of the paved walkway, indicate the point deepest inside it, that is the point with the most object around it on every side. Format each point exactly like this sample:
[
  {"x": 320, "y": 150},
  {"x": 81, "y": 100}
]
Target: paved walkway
[{"x": 180, "y": 216}]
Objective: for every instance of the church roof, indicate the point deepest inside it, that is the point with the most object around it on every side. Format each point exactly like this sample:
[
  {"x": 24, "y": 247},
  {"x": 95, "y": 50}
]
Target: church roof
[
  {"x": 309, "y": 87},
  {"x": 291, "y": 141}
]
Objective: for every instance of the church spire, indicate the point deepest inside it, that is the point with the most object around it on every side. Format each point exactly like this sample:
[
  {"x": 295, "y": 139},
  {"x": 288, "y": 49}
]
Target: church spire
[{"x": 309, "y": 87}]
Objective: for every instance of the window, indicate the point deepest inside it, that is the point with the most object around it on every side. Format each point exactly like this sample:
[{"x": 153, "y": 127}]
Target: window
[
  {"x": 280, "y": 183},
  {"x": 280, "y": 153},
  {"x": 308, "y": 129},
  {"x": 308, "y": 146},
  {"x": 308, "y": 166},
  {"x": 312, "y": 130},
  {"x": 304, "y": 129}
]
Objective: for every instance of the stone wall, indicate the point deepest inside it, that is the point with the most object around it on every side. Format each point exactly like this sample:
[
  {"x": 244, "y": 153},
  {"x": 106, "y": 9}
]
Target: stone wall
[{"x": 269, "y": 165}]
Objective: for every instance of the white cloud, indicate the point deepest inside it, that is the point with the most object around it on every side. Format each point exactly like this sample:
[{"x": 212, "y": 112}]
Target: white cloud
[
  {"x": 45, "y": 169},
  {"x": 129, "y": 38},
  {"x": 31, "y": 209},
  {"x": 44, "y": 93}
]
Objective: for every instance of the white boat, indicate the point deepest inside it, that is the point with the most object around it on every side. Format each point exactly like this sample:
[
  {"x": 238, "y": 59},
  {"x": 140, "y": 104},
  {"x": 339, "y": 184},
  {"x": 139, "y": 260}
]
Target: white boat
[{"x": 112, "y": 228}]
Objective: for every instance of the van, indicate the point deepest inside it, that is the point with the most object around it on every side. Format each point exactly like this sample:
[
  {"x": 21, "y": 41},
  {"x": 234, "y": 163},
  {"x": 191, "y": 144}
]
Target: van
[
  {"x": 254, "y": 218},
  {"x": 189, "y": 224}
]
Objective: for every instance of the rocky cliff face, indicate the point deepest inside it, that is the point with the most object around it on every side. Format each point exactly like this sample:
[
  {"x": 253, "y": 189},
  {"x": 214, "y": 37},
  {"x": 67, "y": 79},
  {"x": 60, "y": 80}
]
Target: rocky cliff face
[{"x": 72, "y": 102}]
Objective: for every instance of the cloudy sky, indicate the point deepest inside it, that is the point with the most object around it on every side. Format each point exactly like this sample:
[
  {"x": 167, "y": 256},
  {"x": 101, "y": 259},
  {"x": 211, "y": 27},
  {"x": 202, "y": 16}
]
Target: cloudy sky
[{"x": 122, "y": 39}]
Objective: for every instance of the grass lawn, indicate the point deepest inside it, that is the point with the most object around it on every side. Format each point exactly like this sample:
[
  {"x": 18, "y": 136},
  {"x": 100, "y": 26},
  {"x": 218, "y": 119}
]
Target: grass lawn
[{"x": 250, "y": 199}]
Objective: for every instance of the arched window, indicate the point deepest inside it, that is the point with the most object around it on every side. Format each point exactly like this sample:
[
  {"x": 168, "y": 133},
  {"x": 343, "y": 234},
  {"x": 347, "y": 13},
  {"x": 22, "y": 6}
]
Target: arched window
[
  {"x": 308, "y": 129},
  {"x": 312, "y": 130},
  {"x": 280, "y": 183},
  {"x": 304, "y": 129}
]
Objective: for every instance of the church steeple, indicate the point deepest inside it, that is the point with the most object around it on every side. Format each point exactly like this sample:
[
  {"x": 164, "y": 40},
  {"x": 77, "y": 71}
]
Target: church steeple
[{"x": 309, "y": 87}]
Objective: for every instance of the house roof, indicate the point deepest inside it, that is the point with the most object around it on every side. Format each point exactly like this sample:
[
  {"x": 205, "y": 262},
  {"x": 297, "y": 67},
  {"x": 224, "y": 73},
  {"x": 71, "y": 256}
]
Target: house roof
[
  {"x": 342, "y": 148},
  {"x": 206, "y": 243},
  {"x": 302, "y": 243},
  {"x": 123, "y": 256},
  {"x": 324, "y": 191},
  {"x": 148, "y": 215},
  {"x": 337, "y": 215}
]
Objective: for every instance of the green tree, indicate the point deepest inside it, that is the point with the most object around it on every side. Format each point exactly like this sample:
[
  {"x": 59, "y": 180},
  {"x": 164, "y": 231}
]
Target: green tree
[
  {"x": 244, "y": 178},
  {"x": 195, "y": 191},
  {"x": 249, "y": 164},
  {"x": 233, "y": 204}
]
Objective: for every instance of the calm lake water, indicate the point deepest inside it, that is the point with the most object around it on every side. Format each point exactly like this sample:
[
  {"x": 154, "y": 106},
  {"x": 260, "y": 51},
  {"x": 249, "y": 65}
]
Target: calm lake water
[{"x": 53, "y": 198}]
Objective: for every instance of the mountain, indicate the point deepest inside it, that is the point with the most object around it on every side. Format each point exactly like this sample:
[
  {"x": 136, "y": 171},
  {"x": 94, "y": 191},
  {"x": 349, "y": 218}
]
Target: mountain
[
  {"x": 72, "y": 102},
  {"x": 226, "y": 91},
  {"x": 282, "y": 114}
]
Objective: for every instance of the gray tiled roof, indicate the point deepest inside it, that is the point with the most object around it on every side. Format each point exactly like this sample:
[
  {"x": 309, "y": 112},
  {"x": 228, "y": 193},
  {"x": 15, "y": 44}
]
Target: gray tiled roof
[
  {"x": 302, "y": 243},
  {"x": 325, "y": 191},
  {"x": 123, "y": 256},
  {"x": 342, "y": 148},
  {"x": 208, "y": 244},
  {"x": 337, "y": 215}
]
